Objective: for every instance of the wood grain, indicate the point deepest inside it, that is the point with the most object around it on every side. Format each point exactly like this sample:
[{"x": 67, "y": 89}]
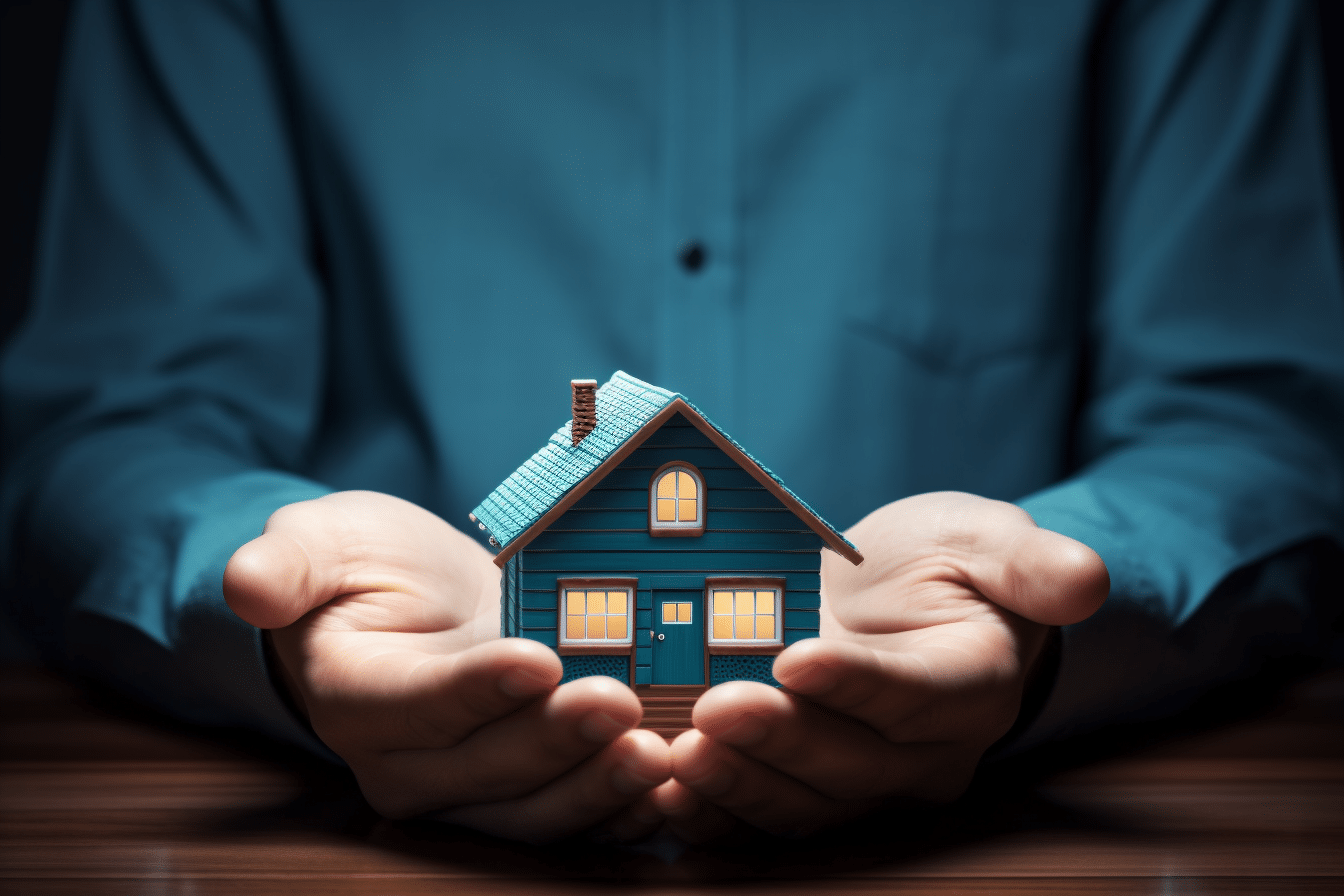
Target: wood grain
[{"x": 99, "y": 797}]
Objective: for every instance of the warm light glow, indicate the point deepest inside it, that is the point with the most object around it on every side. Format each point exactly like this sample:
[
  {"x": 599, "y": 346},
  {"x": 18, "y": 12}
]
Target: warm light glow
[
  {"x": 667, "y": 485},
  {"x": 676, "y": 498},
  {"x": 675, "y": 612},
  {"x": 723, "y": 603},
  {"x": 744, "y": 615},
  {"x": 685, "y": 486},
  {"x": 596, "y": 615}
]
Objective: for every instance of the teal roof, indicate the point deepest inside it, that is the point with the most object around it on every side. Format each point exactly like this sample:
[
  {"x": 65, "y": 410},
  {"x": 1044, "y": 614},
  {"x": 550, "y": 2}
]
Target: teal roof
[{"x": 624, "y": 405}]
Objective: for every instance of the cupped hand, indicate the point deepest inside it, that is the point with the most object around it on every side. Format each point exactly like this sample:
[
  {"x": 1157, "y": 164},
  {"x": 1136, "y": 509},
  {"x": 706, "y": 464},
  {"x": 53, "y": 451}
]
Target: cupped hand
[
  {"x": 923, "y": 655},
  {"x": 385, "y": 620}
]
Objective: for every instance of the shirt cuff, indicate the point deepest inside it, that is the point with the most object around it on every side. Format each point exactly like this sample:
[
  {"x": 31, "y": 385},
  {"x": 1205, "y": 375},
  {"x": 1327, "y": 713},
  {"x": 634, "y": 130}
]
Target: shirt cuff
[{"x": 153, "y": 620}]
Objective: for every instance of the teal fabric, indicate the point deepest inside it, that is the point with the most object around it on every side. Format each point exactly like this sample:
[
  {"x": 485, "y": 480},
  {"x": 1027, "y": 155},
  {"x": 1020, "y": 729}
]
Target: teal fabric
[{"x": 1077, "y": 254}]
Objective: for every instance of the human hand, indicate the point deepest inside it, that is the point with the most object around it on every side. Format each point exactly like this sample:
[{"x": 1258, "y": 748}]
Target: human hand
[
  {"x": 923, "y": 654},
  {"x": 385, "y": 620}
]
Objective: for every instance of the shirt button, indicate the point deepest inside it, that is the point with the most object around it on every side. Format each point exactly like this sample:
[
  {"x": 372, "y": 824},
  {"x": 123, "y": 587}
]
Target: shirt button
[{"x": 692, "y": 257}]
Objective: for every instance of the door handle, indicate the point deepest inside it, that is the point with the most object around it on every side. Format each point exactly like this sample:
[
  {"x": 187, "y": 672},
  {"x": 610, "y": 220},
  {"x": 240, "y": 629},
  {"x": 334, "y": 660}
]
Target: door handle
[{"x": 661, "y": 636}]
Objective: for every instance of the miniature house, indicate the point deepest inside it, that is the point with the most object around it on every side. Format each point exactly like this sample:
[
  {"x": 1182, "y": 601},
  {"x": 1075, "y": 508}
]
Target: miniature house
[{"x": 641, "y": 542}]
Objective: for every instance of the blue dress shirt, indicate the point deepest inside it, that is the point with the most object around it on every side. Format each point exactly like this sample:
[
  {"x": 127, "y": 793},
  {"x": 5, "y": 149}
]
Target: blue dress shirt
[{"x": 1075, "y": 254}]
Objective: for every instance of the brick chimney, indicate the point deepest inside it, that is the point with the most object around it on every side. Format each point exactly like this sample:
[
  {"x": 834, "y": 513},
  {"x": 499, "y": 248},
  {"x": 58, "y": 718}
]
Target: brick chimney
[{"x": 585, "y": 408}]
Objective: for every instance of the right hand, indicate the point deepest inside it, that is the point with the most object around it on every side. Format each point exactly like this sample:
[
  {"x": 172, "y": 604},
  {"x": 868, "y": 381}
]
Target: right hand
[{"x": 385, "y": 620}]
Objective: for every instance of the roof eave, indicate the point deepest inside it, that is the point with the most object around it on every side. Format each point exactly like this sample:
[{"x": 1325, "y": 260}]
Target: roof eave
[
  {"x": 637, "y": 438},
  {"x": 810, "y": 519},
  {"x": 582, "y": 487}
]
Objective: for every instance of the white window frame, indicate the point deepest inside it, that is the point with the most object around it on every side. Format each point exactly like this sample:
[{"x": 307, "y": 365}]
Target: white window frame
[
  {"x": 678, "y": 528},
  {"x": 743, "y": 584},
  {"x": 563, "y": 586}
]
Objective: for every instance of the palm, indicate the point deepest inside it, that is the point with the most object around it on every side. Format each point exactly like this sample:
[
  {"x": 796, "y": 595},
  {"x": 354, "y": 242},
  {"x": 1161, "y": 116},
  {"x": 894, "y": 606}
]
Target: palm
[
  {"x": 409, "y": 587},
  {"x": 923, "y": 653},
  {"x": 916, "y": 607},
  {"x": 386, "y": 623}
]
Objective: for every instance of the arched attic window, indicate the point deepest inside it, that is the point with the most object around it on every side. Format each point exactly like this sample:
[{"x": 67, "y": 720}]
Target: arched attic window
[{"x": 677, "y": 501}]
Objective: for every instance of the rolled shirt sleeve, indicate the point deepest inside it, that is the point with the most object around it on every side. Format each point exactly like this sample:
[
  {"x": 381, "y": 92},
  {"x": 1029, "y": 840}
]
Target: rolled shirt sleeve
[
  {"x": 172, "y": 357},
  {"x": 1214, "y": 407}
]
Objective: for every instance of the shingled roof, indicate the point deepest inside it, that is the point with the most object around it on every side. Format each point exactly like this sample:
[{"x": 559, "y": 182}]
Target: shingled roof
[{"x": 629, "y": 410}]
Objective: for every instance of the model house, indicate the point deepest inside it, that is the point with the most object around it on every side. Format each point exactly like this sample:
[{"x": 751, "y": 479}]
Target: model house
[{"x": 643, "y": 543}]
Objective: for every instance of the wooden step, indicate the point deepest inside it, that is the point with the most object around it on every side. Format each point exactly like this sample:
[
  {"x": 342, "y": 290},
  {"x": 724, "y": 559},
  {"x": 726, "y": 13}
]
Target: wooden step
[{"x": 667, "y": 708}]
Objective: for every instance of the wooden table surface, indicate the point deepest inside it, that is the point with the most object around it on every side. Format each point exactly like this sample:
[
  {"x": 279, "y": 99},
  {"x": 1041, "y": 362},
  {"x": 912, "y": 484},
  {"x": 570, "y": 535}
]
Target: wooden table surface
[{"x": 97, "y": 797}]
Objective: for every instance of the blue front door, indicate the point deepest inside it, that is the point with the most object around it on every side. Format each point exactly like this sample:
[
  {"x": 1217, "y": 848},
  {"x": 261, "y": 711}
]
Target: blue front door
[{"x": 678, "y": 637}]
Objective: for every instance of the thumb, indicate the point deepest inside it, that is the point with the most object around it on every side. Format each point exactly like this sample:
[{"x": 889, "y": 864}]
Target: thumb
[
  {"x": 1045, "y": 576},
  {"x": 272, "y": 580}
]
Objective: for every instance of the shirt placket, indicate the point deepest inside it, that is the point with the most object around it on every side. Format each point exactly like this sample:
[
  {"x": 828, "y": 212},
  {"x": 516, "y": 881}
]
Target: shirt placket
[{"x": 700, "y": 339}]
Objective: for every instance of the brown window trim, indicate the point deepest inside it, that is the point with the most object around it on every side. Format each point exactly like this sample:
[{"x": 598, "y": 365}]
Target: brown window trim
[
  {"x": 724, "y": 582},
  {"x": 609, "y": 584},
  {"x": 703, "y": 500}
]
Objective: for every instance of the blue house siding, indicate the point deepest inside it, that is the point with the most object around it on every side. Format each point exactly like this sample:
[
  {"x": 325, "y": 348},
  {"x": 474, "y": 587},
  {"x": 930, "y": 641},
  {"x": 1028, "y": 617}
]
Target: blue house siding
[
  {"x": 509, "y": 593},
  {"x": 749, "y": 532}
]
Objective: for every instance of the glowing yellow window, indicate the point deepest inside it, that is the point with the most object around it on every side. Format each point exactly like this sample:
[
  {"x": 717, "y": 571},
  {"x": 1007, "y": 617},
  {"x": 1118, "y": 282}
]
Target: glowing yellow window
[
  {"x": 677, "y": 612},
  {"x": 745, "y": 614},
  {"x": 596, "y": 615},
  {"x": 676, "y": 500}
]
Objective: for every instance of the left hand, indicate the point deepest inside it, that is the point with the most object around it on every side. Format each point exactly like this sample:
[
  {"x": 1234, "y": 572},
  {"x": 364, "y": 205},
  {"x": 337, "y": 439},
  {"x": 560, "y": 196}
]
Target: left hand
[
  {"x": 385, "y": 623},
  {"x": 923, "y": 655}
]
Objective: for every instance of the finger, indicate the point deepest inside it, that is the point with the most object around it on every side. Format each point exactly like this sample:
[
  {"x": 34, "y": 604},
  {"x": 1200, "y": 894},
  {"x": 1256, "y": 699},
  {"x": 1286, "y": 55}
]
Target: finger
[
  {"x": 833, "y": 754},
  {"x": 759, "y": 795},
  {"x": 613, "y": 780},
  {"x": 352, "y": 543},
  {"x": 992, "y": 546},
  {"x": 692, "y": 818},
  {"x": 639, "y": 820},
  {"x": 296, "y": 564},
  {"x": 1045, "y": 576},
  {"x": 957, "y": 682},
  {"x": 508, "y": 758},
  {"x": 398, "y": 699}
]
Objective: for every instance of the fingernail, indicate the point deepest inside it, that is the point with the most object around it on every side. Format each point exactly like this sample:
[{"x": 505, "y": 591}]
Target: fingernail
[
  {"x": 601, "y": 728},
  {"x": 520, "y": 683}
]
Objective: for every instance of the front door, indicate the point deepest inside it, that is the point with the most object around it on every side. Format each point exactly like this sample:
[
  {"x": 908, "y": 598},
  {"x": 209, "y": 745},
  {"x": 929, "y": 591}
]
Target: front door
[{"x": 678, "y": 637}]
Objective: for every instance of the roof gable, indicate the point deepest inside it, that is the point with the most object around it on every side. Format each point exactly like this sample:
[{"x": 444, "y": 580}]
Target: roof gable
[{"x": 629, "y": 410}]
